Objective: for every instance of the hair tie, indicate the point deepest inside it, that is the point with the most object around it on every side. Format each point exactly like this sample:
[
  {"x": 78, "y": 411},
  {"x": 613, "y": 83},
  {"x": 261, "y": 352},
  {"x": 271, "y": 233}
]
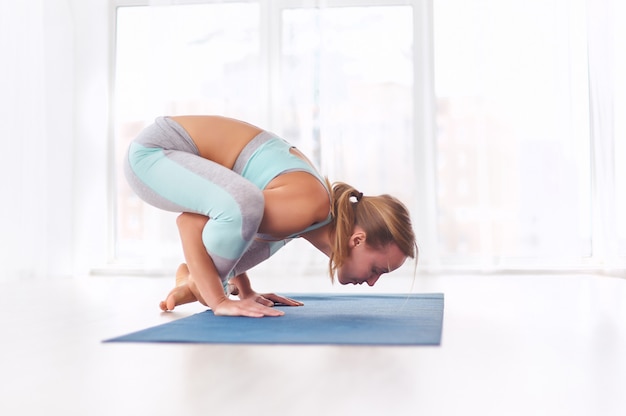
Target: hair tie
[{"x": 355, "y": 197}]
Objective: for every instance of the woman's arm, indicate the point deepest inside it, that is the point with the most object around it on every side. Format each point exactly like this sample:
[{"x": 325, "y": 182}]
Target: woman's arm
[{"x": 205, "y": 276}]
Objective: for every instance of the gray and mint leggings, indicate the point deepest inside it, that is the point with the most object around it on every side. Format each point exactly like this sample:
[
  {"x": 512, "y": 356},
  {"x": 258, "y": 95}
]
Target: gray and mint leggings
[{"x": 164, "y": 169}]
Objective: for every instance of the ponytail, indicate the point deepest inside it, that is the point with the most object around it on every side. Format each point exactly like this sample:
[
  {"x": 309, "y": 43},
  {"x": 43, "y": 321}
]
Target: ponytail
[{"x": 344, "y": 199}]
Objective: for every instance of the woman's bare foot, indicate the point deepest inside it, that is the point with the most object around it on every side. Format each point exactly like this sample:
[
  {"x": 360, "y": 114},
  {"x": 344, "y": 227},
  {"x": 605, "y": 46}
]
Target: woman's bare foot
[{"x": 181, "y": 293}]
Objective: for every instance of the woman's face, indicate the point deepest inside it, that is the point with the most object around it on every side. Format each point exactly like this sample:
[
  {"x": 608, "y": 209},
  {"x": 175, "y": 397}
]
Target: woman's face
[{"x": 366, "y": 264}]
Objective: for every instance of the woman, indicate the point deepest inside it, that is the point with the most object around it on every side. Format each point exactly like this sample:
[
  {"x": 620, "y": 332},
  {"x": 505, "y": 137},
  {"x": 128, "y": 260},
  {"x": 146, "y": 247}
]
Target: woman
[{"x": 244, "y": 193}]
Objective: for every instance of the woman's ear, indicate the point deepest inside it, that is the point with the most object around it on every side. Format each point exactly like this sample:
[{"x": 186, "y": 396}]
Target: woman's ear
[{"x": 357, "y": 238}]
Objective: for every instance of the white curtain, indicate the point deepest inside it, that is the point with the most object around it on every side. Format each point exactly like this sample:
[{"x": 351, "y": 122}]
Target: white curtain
[
  {"x": 526, "y": 144},
  {"x": 36, "y": 156},
  {"x": 603, "y": 94}
]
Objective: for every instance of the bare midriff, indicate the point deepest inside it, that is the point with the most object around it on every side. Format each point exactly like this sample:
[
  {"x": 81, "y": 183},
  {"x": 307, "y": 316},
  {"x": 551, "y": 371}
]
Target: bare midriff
[{"x": 217, "y": 138}]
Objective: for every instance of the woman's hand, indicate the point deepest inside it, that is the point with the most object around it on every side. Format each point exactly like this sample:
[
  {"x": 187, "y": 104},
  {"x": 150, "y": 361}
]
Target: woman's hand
[{"x": 246, "y": 307}]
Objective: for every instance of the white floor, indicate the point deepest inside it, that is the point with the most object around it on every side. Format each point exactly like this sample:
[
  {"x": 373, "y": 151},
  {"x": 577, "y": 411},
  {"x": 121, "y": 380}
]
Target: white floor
[{"x": 512, "y": 345}]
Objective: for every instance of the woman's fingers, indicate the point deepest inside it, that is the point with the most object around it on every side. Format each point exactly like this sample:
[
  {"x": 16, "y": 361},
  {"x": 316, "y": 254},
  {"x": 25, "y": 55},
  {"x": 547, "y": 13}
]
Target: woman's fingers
[{"x": 282, "y": 300}]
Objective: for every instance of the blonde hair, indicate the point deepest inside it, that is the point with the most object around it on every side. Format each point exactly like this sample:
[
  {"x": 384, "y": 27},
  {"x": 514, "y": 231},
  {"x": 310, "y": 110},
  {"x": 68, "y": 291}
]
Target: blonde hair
[{"x": 384, "y": 219}]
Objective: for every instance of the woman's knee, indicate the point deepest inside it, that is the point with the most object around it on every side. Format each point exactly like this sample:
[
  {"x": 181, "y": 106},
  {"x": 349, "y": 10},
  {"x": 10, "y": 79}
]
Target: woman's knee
[{"x": 239, "y": 221}]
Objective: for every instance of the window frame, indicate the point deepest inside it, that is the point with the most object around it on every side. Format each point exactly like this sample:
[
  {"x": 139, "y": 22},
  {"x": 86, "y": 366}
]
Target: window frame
[{"x": 604, "y": 258}]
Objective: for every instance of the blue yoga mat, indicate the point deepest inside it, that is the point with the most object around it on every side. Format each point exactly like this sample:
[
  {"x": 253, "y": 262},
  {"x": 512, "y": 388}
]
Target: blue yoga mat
[{"x": 403, "y": 319}]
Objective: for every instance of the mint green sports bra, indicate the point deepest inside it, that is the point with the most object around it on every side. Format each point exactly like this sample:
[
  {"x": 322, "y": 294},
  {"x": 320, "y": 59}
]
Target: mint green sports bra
[{"x": 273, "y": 158}]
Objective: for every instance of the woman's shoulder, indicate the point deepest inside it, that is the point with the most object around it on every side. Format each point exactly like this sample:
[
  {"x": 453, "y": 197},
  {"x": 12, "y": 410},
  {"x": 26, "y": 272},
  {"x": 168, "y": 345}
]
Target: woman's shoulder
[{"x": 294, "y": 202}]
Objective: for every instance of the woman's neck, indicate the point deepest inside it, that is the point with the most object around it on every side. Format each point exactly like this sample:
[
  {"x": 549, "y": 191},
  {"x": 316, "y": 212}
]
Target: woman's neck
[{"x": 321, "y": 238}]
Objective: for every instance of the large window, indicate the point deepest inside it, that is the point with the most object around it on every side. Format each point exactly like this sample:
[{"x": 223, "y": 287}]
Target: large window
[{"x": 496, "y": 121}]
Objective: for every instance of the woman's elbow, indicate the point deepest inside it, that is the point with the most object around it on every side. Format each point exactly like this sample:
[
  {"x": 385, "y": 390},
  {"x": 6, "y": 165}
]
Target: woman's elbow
[{"x": 188, "y": 220}]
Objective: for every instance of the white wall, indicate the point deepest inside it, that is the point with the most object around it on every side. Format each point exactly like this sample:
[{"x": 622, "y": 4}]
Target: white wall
[
  {"x": 53, "y": 127},
  {"x": 36, "y": 107},
  {"x": 58, "y": 104}
]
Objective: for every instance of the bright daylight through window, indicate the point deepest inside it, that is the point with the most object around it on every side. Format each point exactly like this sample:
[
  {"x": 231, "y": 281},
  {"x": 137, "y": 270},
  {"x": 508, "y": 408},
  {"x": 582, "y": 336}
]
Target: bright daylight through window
[{"x": 512, "y": 183}]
